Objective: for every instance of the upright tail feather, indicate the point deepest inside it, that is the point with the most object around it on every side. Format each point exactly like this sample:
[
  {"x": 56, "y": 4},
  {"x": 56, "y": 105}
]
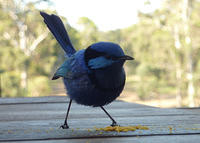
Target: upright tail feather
[{"x": 56, "y": 26}]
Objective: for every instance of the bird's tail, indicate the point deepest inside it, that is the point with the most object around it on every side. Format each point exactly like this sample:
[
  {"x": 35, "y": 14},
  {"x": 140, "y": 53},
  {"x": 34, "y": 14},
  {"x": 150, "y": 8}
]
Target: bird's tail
[{"x": 56, "y": 26}]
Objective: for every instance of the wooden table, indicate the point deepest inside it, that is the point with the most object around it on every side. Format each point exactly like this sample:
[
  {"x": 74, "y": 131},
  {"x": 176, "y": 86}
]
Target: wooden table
[{"x": 38, "y": 119}]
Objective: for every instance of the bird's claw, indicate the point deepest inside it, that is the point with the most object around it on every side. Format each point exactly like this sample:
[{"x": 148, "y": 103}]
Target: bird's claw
[
  {"x": 65, "y": 126},
  {"x": 114, "y": 124}
]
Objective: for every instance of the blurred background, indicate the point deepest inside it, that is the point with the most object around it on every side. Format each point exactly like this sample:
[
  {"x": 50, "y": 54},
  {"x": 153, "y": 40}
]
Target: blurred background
[{"x": 162, "y": 35}]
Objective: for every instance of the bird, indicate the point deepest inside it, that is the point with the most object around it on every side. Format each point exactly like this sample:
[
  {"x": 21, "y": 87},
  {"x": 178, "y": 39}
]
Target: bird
[{"x": 93, "y": 76}]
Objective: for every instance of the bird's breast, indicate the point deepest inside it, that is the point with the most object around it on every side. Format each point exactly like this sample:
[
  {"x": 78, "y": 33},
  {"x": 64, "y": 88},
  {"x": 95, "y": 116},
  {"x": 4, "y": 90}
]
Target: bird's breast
[
  {"x": 96, "y": 87},
  {"x": 110, "y": 78}
]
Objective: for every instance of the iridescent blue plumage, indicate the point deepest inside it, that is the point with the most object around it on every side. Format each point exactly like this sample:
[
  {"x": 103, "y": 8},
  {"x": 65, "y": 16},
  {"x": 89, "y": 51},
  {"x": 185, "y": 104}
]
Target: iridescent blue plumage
[
  {"x": 56, "y": 26},
  {"x": 109, "y": 48},
  {"x": 93, "y": 76}
]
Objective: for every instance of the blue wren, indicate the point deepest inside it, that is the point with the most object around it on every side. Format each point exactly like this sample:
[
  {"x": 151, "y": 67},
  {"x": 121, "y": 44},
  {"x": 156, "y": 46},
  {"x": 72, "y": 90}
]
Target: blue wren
[{"x": 93, "y": 76}]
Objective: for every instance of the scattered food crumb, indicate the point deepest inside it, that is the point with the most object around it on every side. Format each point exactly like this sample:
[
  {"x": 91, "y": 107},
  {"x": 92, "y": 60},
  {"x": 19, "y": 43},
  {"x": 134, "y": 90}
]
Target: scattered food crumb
[
  {"x": 89, "y": 130},
  {"x": 170, "y": 129},
  {"x": 192, "y": 128},
  {"x": 26, "y": 131},
  {"x": 122, "y": 129},
  {"x": 38, "y": 131},
  {"x": 9, "y": 131}
]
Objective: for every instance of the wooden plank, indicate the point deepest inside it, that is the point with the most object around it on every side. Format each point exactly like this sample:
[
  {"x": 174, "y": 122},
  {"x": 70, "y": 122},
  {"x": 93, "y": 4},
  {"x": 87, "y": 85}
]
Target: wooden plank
[
  {"x": 51, "y": 133},
  {"x": 117, "y": 109},
  {"x": 137, "y": 139},
  {"x": 17, "y": 130},
  {"x": 38, "y": 120},
  {"x": 58, "y": 110},
  {"x": 164, "y": 123},
  {"x": 38, "y": 100},
  {"x": 25, "y": 100},
  {"x": 64, "y": 104}
]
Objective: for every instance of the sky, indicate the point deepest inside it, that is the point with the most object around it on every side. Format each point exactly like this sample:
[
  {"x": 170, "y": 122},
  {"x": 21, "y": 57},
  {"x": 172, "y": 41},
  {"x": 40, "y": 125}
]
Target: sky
[{"x": 106, "y": 14}]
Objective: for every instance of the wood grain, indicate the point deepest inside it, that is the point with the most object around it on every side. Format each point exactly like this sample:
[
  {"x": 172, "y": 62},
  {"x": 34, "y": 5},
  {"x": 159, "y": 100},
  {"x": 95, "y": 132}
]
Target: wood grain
[
  {"x": 136, "y": 139},
  {"x": 38, "y": 120}
]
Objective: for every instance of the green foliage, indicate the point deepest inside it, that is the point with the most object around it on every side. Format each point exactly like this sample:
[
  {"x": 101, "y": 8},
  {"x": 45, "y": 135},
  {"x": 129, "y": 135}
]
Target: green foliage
[
  {"x": 151, "y": 42},
  {"x": 39, "y": 86},
  {"x": 11, "y": 84},
  {"x": 88, "y": 32}
]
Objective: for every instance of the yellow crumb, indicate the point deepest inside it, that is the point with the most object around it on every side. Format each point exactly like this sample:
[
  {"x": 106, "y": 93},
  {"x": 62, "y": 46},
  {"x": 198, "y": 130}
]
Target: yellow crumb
[
  {"x": 170, "y": 129},
  {"x": 192, "y": 128},
  {"x": 89, "y": 130},
  {"x": 26, "y": 131},
  {"x": 9, "y": 131},
  {"x": 195, "y": 128},
  {"x": 122, "y": 129},
  {"x": 38, "y": 131}
]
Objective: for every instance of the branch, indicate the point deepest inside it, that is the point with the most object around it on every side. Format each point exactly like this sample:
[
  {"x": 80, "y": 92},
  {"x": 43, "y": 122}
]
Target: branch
[{"x": 37, "y": 41}]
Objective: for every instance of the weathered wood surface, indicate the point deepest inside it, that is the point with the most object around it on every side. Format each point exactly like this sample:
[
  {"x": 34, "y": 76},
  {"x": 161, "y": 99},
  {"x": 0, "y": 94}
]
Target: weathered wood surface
[{"x": 38, "y": 120}]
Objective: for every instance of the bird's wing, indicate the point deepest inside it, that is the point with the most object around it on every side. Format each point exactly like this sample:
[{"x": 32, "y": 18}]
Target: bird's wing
[
  {"x": 56, "y": 26},
  {"x": 70, "y": 69}
]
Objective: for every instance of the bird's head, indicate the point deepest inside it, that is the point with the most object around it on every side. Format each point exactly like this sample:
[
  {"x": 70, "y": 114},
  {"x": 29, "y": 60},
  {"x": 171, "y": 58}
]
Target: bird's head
[{"x": 104, "y": 54}]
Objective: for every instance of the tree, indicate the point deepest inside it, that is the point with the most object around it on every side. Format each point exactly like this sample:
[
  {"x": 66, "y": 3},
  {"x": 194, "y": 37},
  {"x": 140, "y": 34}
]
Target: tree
[{"x": 88, "y": 32}]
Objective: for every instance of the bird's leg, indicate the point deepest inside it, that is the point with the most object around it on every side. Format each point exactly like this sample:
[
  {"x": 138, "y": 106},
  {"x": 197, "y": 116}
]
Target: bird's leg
[
  {"x": 114, "y": 123},
  {"x": 65, "y": 125}
]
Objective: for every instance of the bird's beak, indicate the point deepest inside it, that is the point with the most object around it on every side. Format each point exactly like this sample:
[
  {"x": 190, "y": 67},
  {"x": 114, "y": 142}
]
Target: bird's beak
[{"x": 126, "y": 57}]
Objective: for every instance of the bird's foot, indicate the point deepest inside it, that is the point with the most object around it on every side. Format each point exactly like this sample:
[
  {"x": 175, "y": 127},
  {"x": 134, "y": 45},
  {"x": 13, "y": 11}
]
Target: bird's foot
[
  {"x": 64, "y": 126},
  {"x": 114, "y": 124}
]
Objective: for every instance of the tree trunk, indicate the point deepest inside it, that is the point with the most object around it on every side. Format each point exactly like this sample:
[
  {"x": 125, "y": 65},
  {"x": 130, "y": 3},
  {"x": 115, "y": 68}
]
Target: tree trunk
[
  {"x": 22, "y": 43},
  {"x": 187, "y": 7},
  {"x": 177, "y": 45}
]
